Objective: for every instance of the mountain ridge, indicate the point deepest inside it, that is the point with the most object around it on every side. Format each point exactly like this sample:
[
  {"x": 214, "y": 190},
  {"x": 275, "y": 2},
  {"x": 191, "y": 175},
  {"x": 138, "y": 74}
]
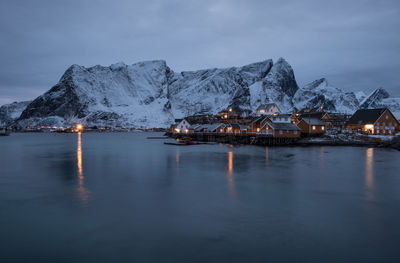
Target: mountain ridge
[{"x": 150, "y": 94}]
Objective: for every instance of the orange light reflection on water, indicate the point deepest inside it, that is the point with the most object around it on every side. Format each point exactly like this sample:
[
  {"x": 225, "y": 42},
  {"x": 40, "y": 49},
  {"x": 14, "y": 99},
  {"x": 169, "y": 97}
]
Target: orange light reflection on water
[
  {"x": 231, "y": 182},
  {"x": 83, "y": 193},
  {"x": 369, "y": 172}
]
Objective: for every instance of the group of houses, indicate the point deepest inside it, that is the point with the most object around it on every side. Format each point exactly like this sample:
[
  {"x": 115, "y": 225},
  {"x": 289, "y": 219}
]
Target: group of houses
[{"x": 269, "y": 121}]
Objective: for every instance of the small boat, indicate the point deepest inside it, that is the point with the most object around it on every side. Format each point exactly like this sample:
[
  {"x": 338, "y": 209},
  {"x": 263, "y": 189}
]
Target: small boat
[{"x": 183, "y": 142}]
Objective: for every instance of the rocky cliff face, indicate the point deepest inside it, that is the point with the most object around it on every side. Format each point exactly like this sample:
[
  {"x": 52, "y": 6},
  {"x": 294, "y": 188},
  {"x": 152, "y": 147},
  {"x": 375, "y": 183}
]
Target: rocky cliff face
[
  {"x": 10, "y": 112},
  {"x": 320, "y": 95},
  {"x": 150, "y": 94}
]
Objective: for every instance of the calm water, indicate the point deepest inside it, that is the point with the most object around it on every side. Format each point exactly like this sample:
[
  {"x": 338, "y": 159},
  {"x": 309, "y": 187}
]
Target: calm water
[{"x": 122, "y": 198}]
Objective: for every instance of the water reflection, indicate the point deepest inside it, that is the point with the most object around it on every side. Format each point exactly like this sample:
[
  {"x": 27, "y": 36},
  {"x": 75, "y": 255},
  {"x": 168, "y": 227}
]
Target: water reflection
[
  {"x": 266, "y": 156},
  {"x": 321, "y": 162},
  {"x": 369, "y": 173},
  {"x": 177, "y": 157},
  {"x": 231, "y": 182},
  {"x": 83, "y": 193}
]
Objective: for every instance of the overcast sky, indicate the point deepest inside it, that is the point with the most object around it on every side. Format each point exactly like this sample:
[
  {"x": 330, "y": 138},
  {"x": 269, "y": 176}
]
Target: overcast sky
[{"x": 354, "y": 44}]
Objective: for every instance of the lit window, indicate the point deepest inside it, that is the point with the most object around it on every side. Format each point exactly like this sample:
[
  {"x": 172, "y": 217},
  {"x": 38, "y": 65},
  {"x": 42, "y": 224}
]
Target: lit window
[
  {"x": 314, "y": 128},
  {"x": 323, "y": 127},
  {"x": 258, "y": 129}
]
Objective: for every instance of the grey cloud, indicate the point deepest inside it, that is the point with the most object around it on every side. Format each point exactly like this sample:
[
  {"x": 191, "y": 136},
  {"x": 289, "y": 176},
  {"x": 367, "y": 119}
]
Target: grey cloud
[{"x": 355, "y": 44}]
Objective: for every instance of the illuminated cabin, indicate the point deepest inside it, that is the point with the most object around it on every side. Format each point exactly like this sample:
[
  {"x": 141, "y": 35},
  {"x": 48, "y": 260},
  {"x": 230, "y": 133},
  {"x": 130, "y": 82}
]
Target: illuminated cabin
[
  {"x": 234, "y": 112},
  {"x": 257, "y": 123},
  {"x": 312, "y": 126},
  {"x": 280, "y": 130},
  {"x": 232, "y": 128},
  {"x": 373, "y": 121},
  {"x": 183, "y": 126},
  {"x": 268, "y": 109}
]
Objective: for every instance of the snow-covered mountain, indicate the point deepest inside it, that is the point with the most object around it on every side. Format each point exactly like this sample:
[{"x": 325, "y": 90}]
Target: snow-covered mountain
[
  {"x": 10, "y": 112},
  {"x": 380, "y": 98},
  {"x": 320, "y": 95},
  {"x": 150, "y": 94}
]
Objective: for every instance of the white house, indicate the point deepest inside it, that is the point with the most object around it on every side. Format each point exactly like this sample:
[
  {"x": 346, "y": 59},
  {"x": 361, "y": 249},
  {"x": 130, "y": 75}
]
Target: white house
[
  {"x": 183, "y": 126},
  {"x": 268, "y": 109}
]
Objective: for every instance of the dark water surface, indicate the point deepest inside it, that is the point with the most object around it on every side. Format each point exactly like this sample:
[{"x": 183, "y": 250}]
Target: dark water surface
[{"x": 118, "y": 197}]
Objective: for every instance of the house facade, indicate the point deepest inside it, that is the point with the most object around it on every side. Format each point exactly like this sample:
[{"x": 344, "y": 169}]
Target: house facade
[
  {"x": 268, "y": 109},
  {"x": 280, "y": 130},
  {"x": 374, "y": 121},
  {"x": 183, "y": 126},
  {"x": 312, "y": 126}
]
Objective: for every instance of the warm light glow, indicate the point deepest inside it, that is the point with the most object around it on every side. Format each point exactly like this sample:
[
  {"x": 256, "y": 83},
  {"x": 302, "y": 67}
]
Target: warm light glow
[
  {"x": 261, "y": 111},
  {"x": 78, "y": 127},
  {"x": 369, "y": 126},
  {"x": 313, "y": 127},
  {"x": 79, "y": 158},
  {"x": 323, "y": 128},
  {"x": 229, "y": 129},
  {"x": 230, "y": 109},
  {"x": 258, "y": 129},
  {"x": 83, "y": 193},
  {"x": 369, "y": 173},
  {"x": 226, "y": 116},
  {"x": 177, "y": 130},
  {"x": 186, "y": 130},
  {"x": 231, "y": 183},
  {"x": 221, "y": 130}
]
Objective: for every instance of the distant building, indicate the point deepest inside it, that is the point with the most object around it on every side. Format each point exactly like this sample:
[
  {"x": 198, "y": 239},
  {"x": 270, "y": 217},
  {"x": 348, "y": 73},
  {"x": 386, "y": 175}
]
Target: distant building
[
  {"x": 280, "y": 130},
  {"x": 268, "y": 109},
  {"x": 183, "y": 126},
  {"x": 312, "y": 126},
  {"x": 257, "y": 123},
  {"x": 234, "y": 113},
  {"x": 373, "y": 121}
]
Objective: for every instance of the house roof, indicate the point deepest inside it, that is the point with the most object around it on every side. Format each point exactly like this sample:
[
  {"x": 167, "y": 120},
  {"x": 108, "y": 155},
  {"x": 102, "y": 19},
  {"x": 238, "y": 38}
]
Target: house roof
[
  {"x": 234, "y": 125},
  {"x": 267, "y": 106},
  {"x": 313, "y": 121},
  {"x": 366, "y": 116},
  {"x": 282, "y": 126},
  {"x": 258, "y": 119}
]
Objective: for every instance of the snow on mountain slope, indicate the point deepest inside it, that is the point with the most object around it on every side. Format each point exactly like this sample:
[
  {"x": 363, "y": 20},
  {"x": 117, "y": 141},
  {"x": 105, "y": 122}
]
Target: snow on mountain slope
[
  {"x": 145, "y": 94},
  {"x": 10, "y": 112},
  {"x": 380, "y": 98},
  {"x": 119, "y": 95},
  {"x": 149, "y": 94},
  {"x": 213, "y": 90},
  {"x": 373, "y": 100},
  {"x": 278, "y": 86},
  {"x": 360, "y": 95},
  {"x": 320, "y": 95}
]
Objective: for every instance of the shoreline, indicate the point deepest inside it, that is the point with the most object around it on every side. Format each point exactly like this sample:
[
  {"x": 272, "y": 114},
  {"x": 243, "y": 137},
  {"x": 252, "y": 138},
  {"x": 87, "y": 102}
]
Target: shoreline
[{"x": 302, "y": 142}]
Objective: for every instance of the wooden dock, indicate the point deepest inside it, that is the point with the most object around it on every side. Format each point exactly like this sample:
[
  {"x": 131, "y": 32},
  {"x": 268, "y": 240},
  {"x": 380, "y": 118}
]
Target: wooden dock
[{"x": 230, "y": 138}]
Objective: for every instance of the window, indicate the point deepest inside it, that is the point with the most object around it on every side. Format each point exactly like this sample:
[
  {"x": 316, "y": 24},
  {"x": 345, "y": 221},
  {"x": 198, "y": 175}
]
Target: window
[
  {"x": 280, "y": 132},
  {"x": 295, "y": 132},
  {"x": 314, "y": 128},
  {"x": 323, "y": 128},
  {"x": 387, "y": 116}
]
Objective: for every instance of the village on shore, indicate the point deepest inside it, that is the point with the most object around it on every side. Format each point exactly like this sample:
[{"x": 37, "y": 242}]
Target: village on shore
[{"x": 269, "y": 126}]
